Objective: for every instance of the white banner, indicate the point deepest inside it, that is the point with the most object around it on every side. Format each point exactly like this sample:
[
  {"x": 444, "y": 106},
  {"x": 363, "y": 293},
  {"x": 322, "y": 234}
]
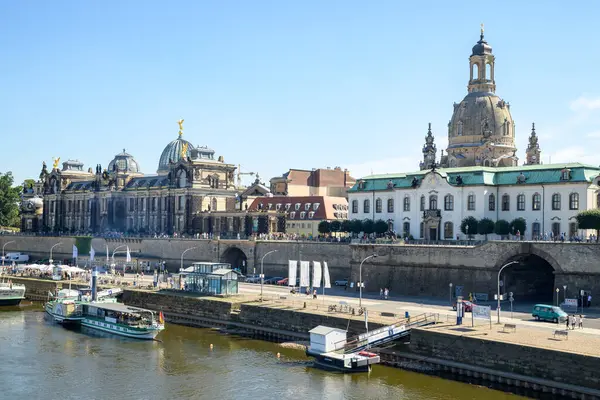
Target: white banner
[
  {"x": 107, "y": 258},
  {"x": 92, "y": 254},
  {"x": 481, "y": 312},
  {"x": 304, "y": 273},
  {"x": 316, "y": 274},
  {"x": 326, "y": 281},
  {"x": 571, "y": 303},
  {"x": 128, "y": 259},
  {"x": 75, "y": 252},
  {"x": 292, "y": 272}
]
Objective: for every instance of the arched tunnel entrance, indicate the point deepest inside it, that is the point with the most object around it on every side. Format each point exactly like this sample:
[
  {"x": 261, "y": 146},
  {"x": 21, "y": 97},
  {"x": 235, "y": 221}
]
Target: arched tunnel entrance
[
  {"x": 237, "y": 258},
  {"x": 531, "y": 280}
]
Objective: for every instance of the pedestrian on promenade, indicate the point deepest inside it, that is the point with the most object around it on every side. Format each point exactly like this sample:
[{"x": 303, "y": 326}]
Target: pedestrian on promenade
[
  {"x": 386, "y": 293},
  {"x": 381, "y": 293},
  {"x": 573, "y": 322},
  {"x": 580, "y": 321},
  {"x": 589, "y": 300},
  {"x": 568, "y": 319},
  {"x": 315, "y": 294}
]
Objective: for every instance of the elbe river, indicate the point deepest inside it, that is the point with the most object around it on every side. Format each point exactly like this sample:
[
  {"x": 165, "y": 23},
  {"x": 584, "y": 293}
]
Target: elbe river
[{"x": 42, "y": 360}]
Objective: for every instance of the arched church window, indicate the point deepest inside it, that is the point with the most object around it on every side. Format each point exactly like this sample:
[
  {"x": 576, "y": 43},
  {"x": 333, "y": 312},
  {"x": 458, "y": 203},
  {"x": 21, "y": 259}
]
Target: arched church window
[
  {"x": 407, "y": 203},
  {"x": 433, "y": 202},
  {"x": 354, "y": 206},
  {"x": 390, "y": 206},
  {"x": 556, "y": 201},
  {"x": 474, "y": 72},
  {"x": 488, "y": 72},
  {"x": 366, "y": 206},
  {"x": 536, "y": 202},
  {"x": 574, "y": 201}
]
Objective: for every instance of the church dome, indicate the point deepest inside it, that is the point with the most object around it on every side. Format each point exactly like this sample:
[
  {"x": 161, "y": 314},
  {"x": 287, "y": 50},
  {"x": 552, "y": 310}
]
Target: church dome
[
  {"x": 172, "y": 153},
  {"x": 481, "y": 48},
  {"x": 124, "y": 163}
]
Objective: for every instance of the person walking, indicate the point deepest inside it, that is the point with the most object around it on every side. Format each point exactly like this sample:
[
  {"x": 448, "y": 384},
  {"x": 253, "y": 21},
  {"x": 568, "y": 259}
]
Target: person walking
[
  {"x": 580, "y": 321},
  {"x": 573, "y": 322},
  {"x": 381, "y": 293},
  {"x": 315, "y": 294},
  {"x": 386, "y": 293},
  {"x": 567, "y": 320}
]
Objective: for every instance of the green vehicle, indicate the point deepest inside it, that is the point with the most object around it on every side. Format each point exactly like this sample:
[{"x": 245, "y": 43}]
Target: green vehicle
[{"x": 548, "y": 313}]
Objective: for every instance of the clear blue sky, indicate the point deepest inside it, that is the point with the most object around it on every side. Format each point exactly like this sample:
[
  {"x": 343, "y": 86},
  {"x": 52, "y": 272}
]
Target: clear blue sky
[{"x": 273, "y": 85}]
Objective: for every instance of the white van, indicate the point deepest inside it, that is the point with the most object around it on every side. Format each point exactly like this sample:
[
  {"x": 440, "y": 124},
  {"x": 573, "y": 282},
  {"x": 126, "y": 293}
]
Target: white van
[{"x": 17, "y": 258}]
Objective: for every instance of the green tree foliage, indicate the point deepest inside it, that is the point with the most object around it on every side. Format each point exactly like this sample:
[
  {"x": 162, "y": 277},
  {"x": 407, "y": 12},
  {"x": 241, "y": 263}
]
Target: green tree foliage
[
  {"x": 502, "y": 227},
  {"x": 381, "y": 227},
  {"x": 518, "y": 225},
  {"x": 368, "y": 226},
  {"x": 84, "y": 244},
  {"x": 346, "y": 226},
  {"x": 589, "y": 219},
  {"x": 471, "y": 224},
  {"x": 357, "y": 226},
  {"x": 9, "y": 201},
  {"x": 335, "y": 226},
  {"x": 324, "y": 227},
  {"x": 485, "y": 226}
]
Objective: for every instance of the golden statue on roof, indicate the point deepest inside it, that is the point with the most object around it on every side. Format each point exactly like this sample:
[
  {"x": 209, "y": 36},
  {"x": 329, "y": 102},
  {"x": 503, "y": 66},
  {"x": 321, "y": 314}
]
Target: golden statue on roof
[
  {"x": 55, "y": 162},
  {"x": 180, "y": 122},
  {"x": 184, "y": 150},
  {"x": 482, "y": 28}
]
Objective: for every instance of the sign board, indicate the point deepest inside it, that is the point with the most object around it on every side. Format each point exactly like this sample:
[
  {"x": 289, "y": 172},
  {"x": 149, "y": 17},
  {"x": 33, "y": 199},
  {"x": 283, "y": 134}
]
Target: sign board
[
  {"x": 481, "y": 312},
  {"x": 481, "y": 296},
  {"x": 571, "y": 303}
]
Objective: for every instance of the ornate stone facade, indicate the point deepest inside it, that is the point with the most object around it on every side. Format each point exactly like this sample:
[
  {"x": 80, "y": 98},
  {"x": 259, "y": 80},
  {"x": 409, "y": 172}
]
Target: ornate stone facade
[{"x": 533, "y": 153}]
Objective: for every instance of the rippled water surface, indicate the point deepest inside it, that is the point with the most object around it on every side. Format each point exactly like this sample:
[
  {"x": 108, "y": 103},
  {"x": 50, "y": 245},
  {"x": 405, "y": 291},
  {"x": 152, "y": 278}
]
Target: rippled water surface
[{"x": 40, "y": 360}]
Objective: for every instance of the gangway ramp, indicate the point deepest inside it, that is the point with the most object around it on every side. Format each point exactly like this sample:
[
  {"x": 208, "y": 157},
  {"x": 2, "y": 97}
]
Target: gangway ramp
[{"x": 387, "y": 334}]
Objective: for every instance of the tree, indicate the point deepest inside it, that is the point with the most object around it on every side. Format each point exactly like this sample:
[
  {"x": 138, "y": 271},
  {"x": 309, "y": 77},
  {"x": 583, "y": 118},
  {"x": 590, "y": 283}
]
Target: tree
[
  {"x": 357, "y": 226},
  {"x": 380, "y": 227},
  {"x": 589, "y": 219},
  {"x": 9, "y": 201},
  {"x": 518, "y": 225},
  {"x": 324, "y": 227},
  {"x": 368, "y": 226},
  {"x": 485, "y": 226},
  {"x": 346, "y": 226},
  {"x": 335, "y": 226},
  {"x": 468, "y": 226},
  {"x": 502, "y": 227}
]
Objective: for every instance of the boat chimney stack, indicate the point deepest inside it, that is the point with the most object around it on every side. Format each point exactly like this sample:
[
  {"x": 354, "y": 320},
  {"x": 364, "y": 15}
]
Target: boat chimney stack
[{"x": 94, "y": 284}]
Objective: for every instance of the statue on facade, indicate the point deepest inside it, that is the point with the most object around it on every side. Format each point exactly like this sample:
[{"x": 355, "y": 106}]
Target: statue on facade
[{"x": 55, "y": 162}]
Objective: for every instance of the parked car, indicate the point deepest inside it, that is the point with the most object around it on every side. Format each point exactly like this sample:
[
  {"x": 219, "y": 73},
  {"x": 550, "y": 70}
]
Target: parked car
[
  {"x": 253, "y": 279},
  {"x": 274, "y": 280},
  {"x": 283, "y": 282},
  {"x": 341, "y": 282},
  {"x": 548, "y": 313},
  {"x": 468, "y": 305}
]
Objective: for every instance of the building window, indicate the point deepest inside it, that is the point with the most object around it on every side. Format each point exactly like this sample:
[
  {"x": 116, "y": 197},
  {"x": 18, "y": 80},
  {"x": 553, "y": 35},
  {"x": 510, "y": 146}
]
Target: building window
[
  {"x": 390, "y": 205},
  {"x": 406, "y": 229},
  {"x": 378, "y": 206},
  {"x": 556, "y": 201},
  {"x": 315, "y": 206},
  {"x": 535, "y": 231},
  {"x": 556, "y": 229},
  {"x": 422, "y": 205},
  {"x": 307, "y": 206},
  {"x": 574, "y": 201},
  {"x": 433, "y": 202},
  {"x": 182, "y": 203},
  {"x": 448, "y": 202},
  {"x": 471, "y": 202},
  {"x": 311, "y": 214},
  {"x": 505, "y": 202},
  {"x": 302, "y": 214},
  {"x": 366, "y": 206},
  {"x": 154, "y": 201},
  {"x": 536, "y": 202},
  {"x": 421, "y": 230},
  {"x": 278, "y": 207},
  {"x": 572, "y": 229},
  {"x": 407, "y": 203},
  {"x": 293, "y": 214},
  {"x": 492, "y": 203},
  {"x": 297, "y": 206},
  {"x": 521, "y": 202},
  {"x": 354, "y": 206},
  {"x": 448, "y": 230}
]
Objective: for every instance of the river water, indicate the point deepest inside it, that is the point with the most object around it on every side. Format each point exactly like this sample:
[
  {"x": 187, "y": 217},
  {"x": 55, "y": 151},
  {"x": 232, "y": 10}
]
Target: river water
[{"x": 41, "y": 360}]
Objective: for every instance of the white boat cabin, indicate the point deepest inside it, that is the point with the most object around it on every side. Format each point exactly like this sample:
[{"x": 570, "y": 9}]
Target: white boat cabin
[{"x": 324, "y": 339}]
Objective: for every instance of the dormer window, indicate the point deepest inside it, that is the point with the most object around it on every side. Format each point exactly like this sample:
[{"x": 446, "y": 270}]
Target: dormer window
[
  {"x": 307, "y": 206},
  {"x": 315, "y": 206},
  {"x": 278, "y": 207},
  {"x": 565, "y": 174},
  {"x": 297, "y": 206},
  {"x": 270, "y": 206},
  {"x": 287, "y": 206},
  {"x": 293, "y": 215},
  {"x": 311, "y": 215},
  {"x": 302, "y": 215},
  {"x": 361, "y": 185}
]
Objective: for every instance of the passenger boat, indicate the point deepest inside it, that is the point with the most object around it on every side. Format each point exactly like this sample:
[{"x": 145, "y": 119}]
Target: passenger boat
[
  {"x": 11, "y": 294},
  {"x": 66, "y": 307}
]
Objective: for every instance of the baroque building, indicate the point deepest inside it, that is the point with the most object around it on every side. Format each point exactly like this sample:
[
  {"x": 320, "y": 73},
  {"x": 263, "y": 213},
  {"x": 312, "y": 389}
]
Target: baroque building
[{"x": 479, "y": 176}]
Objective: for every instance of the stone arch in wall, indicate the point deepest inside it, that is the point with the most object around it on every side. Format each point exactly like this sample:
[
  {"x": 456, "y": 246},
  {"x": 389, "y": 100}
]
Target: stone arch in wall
[{"x": 237, "y": 258}]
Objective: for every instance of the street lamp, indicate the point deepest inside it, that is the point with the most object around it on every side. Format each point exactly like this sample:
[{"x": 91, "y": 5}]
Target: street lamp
[
  {"x": 360, "y": 282},
  {"x": 12, "y": 241},
  {"x": 450, "y": 286},
  {"x": 499, "y": 272},
  {"x": 115, "y": 250},
  {"x": 185, "y": 251},
  {"x": 52, "y": 248},
  {"x": 262, "y": 274},
  {"x": 557, "y": 291}
]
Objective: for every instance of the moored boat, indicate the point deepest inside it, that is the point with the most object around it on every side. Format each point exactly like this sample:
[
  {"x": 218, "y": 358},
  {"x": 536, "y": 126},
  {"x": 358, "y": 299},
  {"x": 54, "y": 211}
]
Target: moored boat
[
  {"x": 122, "y": 320},
  {"x": 11, "y": 294}
]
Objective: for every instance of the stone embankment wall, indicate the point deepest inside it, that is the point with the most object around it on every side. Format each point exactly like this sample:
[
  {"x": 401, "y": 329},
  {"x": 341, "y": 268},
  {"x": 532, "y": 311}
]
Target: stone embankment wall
[
  {"x": 558, "y": 366},
  {"x": 38, "y": 289}
]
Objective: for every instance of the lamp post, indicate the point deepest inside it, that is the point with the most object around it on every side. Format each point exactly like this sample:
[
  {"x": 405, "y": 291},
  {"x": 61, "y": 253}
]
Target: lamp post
[
  {"x": 360, "y": 282},
  {"x": 50, "y": 260},
  {"x": 114, "y": 265},
  {"x": 262, "y": 272},
  {"x": 450, "y": 286},
  {"x": 564, "y": 293},
  {"x": 499, "y": 272},
  {"x": 557, "y": 291},
  {"x": 12, "y": 241},
  {"x": 185, "y": 251}
]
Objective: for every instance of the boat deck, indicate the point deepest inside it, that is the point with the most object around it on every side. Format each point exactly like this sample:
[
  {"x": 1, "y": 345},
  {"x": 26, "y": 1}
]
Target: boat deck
[{"x": 118, "y": 307}]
